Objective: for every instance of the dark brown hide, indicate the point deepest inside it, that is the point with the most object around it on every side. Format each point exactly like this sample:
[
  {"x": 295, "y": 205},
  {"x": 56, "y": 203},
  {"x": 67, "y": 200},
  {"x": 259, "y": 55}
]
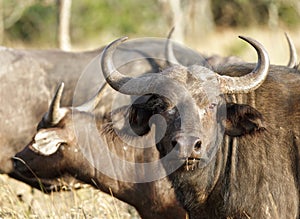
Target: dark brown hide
[
  {"x": 252, "y": 173},
  {"x": 252, "y": 176}
]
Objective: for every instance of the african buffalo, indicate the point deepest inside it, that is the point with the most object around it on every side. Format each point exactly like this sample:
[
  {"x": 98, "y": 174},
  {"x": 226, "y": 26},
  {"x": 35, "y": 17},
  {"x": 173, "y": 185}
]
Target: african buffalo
[
  {"x": 21, "y": 108},
  {"x": 63, "y": 150},
  {"x": 55, "y": 151},
  {"x": 152, "y": 199},
  {"x": 39, "y": 70},
  {"x": 226, "y": 160},
  {"x": 158, "y": 203},
  {"x": 27, "y": 80}
]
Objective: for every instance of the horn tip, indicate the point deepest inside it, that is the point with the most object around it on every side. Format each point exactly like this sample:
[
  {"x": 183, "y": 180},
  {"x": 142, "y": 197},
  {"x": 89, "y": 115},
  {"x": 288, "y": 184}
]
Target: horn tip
[
  {"x": 254, "y": 43},
  {"x": 117, "y": 42},
  {"x": 61, "y": 86},
  {"x": 245, "y": 38},
  {"x": 287, "y": 36},
  {"x": 122, "y": 39},
  {"x": 172, "y": 29},
  {"x": 171, "y": 32}
]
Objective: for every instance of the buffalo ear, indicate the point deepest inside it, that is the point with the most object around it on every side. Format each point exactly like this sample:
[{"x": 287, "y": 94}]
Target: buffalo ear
[
  {"x": 142, "y": 110},
  {"x": 242, "y": 120},
  {"x": 140, "y": 113},
  {"x": 139, "y": 119}
]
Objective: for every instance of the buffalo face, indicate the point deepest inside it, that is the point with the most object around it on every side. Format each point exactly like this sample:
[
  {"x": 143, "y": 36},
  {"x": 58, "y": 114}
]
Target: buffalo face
[
  {"x": 53, "y": 152},
  {"x": 188, "y": 128},
  {"x": 187, "y": 106}
]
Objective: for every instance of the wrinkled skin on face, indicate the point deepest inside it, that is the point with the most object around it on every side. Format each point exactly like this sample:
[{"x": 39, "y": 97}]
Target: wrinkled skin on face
[
  {"x": 196, "y": 140},
  {"x": 206, "y": 108}
]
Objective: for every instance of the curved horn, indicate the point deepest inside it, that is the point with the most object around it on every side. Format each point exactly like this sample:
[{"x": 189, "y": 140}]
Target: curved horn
[
  {"x": 252, "y": 80},
  {"x": 54, "y": 114},
  {"x": 112, "y": 76},
  {"x": 293, "y": 53},
  {"x": 91, "y": 104},
  {"x": 117, "y": 80},
  {"x": 170, "y": 56}
]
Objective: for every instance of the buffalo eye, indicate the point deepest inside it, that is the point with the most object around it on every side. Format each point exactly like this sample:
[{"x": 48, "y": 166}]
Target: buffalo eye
[
  {"x": 212, "y": 106},
  {"x": 171, "y": 111}
]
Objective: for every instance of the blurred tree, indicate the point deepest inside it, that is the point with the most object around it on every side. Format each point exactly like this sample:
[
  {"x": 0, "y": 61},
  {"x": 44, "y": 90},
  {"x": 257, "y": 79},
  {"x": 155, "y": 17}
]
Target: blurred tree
[
  {"x": 10, "y": 12},
  {"x": 199, "y": 18},
  {"x": 1, "y": 22},
  {"x": 289, "y": 12},
  {"x": 35, "y": 21},
  {"x": 13, "y": 10},
  {"x": 244, "y": 13},
  {"x": 64, "y": 16},
  {"x": 191, "y": 18},
  {"x": 108, "y": 18},
  {"x": 178, "y": 22},
  {"x": 273, "y": 13},
  {"x": 38, "y": 24}
]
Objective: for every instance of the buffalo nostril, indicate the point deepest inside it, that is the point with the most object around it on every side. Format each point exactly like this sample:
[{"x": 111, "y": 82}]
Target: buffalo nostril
[
  {"x": 19, "y": 164},
  {"x": 197, "y": 146}
]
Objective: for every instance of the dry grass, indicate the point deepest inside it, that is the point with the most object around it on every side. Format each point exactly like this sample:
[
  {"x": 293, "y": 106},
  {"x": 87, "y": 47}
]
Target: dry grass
[{"x": 19, "y": 201}]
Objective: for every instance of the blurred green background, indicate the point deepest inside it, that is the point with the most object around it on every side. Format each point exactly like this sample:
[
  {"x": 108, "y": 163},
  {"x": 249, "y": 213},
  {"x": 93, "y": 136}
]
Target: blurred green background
[{"x": 34, "y": 23}]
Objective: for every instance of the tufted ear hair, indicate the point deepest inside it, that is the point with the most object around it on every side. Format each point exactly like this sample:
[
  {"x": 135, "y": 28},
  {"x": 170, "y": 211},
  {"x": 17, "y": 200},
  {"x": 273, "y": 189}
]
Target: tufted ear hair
[{"x": 242, "y": 120}]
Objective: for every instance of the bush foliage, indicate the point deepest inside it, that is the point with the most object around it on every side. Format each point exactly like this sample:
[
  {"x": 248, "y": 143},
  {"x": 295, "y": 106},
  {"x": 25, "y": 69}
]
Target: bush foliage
[{"x": 92, "y": 18}]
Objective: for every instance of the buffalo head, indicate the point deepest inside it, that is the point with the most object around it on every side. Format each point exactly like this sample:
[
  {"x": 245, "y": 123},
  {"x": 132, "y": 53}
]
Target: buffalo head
[
  {"x": 53, "y": 149},
  {"x": 188, "y": 107},
  {"x": 58, "y": 150}
]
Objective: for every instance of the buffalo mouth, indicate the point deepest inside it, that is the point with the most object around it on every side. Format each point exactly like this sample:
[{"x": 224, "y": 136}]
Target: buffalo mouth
[
  {"x": 66, "y": 183},
  {"x": 191, "y": 163},
  {"x": 186, "y": 163}
]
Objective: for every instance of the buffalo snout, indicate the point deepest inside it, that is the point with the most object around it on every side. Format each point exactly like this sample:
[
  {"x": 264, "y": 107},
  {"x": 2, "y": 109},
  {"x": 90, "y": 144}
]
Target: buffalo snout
[
  {"x": 187, "y": 146},
  {"x": 21, "y": 166},
  {"x": 30, "y": 164}
]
